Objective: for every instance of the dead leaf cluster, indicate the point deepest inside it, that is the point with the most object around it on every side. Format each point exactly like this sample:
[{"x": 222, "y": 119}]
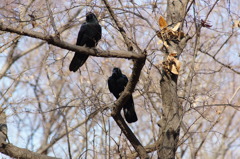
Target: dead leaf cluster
[
  {"x": 172, "y": 64},
  {"x": 168, "y": 34}
]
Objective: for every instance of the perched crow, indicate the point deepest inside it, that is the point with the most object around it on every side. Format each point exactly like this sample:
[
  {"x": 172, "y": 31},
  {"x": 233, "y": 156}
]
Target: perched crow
[
  {"x": 89, "y": 35},
  {"x": 116, "y": 84}
]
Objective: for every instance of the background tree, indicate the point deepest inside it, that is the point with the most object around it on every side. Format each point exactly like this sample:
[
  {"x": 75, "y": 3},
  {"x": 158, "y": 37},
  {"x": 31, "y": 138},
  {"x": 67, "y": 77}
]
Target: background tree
[{"x": 50, "y": 111}]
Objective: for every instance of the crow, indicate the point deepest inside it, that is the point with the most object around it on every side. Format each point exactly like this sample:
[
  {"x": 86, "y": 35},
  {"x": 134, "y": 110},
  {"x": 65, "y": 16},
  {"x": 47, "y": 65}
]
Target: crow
[
  {"x": 89, "y": 35},
  {"x": 116, "y": 84}
]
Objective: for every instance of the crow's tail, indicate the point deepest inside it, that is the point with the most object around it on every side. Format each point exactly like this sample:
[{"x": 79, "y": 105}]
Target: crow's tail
[
  {"x": 77, "y": 61},
  {"x": 129, "y": 111}
]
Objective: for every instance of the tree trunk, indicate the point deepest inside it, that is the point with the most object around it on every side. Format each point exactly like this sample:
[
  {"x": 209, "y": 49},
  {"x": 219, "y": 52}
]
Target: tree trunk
[{"x": 172, "y": 111}]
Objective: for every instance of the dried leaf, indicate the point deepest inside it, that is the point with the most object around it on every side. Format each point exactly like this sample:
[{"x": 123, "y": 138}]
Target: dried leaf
[
  {"x": 178, "y": 64},
  {"x": 174, "y": 70},
  {"x": 162, "y": 22},
  {"x": 236, "y": 24},
  {"x": 205, "y": 24},
  {"x": 168, "y": 34},
  {"x": 165, "y": 65},
  {"x": 165, "y": 44},
  {"x": 181, "y": 35},
  {"x": 173, "y": 54},
  {"x": 173, "y": 64},
  {"x": 176, "y": 27},
  {"x": 159, "y": 34},
  {"x": 172, "y": 34},
  {"x": 218, "y": 112},
  {"x": 159, "y": 42},
  {"x": 162, "y": 34}
]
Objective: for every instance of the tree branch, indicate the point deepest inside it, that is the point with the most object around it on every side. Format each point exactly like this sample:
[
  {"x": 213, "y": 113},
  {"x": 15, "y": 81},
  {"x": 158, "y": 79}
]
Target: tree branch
[
  {"x": 138, "y": 65},
  {"x": 65, "y": 45},
  {"x": 20, "y": 153}
]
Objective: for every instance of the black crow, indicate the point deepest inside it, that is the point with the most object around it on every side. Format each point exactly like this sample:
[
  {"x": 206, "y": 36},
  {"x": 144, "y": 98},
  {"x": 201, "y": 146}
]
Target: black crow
[
  {"x": 89, "y": 35},
  {"x": 116, "y": 84}
]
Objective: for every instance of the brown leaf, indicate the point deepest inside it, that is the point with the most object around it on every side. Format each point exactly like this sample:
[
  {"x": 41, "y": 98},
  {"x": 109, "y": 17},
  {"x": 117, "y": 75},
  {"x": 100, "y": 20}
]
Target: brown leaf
[
  {"x": 173, "y": 63},
  {"x": 205, "y": 24},
  {"x": 178, "y": 65},
  {"x": 159, "y": 34},
  {"x": 159, "y": 42},
  {"x": 181, "y": 35},
  {"x": 173, "y": 54},
  {"x": 165, "y": 44},
  {"x": 236, "y": 24},
  {"x": 175, "y": 28},
  {"x": 162, "y": 22}
]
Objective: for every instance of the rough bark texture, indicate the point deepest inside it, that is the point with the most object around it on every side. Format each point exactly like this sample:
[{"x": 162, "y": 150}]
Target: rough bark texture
[{"x": 172, "y": 111}]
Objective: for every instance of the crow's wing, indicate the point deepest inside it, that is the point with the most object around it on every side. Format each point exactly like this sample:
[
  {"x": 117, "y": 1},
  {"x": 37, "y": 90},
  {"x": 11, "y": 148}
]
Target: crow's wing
[
  {"x": 94, "y": 34},
  {"x": 79, "y": 59},
  {"x": 82, "y": 31},
  {"x": 122, "y": 81},
  {"x": 119, "y": 85},
  {"x": 99, "y": 33},
  {"x": 113, "y": 87},
  {"x": 110, "y": 84}
]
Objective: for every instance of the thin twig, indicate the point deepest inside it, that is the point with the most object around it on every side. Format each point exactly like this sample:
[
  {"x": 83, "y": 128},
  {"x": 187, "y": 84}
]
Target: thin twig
[
  {"x": 119, "y": 26},
  {"x": 52, "y": 19}
]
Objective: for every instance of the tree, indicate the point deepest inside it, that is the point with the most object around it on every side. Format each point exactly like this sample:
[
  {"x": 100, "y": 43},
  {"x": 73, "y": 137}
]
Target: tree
[{"x": 48, "y": 111}]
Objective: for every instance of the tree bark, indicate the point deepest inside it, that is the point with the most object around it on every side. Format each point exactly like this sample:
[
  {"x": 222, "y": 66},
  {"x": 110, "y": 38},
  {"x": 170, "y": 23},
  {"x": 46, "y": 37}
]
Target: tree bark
[{"x": 172, "y": 111}]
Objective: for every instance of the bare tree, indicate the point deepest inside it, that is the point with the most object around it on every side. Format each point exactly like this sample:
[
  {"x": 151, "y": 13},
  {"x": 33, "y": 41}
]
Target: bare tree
[{"x": 181, "y": 58}]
